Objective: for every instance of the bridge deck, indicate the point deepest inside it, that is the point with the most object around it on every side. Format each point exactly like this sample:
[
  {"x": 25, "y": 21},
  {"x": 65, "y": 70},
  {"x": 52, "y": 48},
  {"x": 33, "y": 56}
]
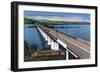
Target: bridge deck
[{"x": 78, "y": 47}]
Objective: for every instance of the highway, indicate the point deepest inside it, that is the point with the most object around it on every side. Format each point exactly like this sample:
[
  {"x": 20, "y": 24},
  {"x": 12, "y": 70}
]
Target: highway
[{"x": 81, "y": 49}]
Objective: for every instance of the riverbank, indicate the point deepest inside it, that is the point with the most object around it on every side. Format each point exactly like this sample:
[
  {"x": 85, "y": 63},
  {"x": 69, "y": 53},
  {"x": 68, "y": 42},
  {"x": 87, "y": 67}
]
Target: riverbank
[{"x": 46, "y": 55}]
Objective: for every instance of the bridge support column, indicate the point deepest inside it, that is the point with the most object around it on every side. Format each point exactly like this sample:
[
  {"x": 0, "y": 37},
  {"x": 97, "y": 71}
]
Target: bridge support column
[
  {"x": 67, "y": 55},
  {"x": 45, "y": 36},
  {"x": 49, "y": 40},
  {"x": 54, "y": 46}
]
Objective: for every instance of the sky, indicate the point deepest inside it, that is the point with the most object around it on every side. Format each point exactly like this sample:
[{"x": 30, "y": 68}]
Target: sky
[{"x": 56, "y": 16}]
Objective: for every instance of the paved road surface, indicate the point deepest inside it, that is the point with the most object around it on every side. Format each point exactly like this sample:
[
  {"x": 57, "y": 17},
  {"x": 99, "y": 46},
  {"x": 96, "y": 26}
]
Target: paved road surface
[{"x": 78, "y": 47}]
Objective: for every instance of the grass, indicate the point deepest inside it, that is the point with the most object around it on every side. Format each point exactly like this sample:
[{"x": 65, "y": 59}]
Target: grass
[{"x": 28, "y": 21}]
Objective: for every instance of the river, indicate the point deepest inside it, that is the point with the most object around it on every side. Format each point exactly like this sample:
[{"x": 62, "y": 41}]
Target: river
[{"x": 32, "y": 35}]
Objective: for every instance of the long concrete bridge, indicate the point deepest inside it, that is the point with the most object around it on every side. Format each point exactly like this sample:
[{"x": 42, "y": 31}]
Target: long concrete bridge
[{"x": 77, "y": 48}]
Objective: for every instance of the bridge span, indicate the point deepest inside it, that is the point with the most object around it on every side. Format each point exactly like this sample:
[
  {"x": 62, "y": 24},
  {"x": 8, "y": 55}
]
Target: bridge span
[{"x": 74, "y": 46}]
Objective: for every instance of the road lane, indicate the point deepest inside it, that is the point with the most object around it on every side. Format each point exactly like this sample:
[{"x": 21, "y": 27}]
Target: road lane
[{"x": 78, "y": 47}]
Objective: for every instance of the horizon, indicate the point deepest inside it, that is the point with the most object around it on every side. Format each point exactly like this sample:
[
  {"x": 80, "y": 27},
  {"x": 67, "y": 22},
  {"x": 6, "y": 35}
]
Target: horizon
[{"x": 57, "y": 16}]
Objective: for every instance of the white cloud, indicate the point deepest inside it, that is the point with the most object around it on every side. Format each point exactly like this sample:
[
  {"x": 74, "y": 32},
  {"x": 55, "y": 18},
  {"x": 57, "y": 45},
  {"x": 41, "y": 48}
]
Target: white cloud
[{"x": 57, "y": 18}]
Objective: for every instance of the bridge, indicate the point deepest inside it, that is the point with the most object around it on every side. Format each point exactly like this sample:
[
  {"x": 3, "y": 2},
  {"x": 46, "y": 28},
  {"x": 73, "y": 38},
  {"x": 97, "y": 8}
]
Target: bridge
[{"x": 78, "y": 48}]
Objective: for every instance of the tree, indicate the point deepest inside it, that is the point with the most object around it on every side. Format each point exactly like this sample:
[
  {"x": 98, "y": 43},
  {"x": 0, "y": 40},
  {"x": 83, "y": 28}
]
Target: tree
[
  {"x": 29, "y": 21},
  {"x": 33, "y": 47},
  {"x": 26, "y": 49},
  {"x": 26, "y": 45}
]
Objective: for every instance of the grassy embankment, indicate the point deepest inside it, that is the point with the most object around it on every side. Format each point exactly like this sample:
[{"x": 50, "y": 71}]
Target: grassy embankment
[{"x": 28, "y": 21}]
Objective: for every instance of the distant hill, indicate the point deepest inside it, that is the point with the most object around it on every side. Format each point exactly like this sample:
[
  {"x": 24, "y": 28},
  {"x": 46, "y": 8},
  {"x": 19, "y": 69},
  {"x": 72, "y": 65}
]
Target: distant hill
[
  {"x": 67, "y": 22},
  {"x": 70, "y": 20},
  {"x": 29, "y": 21}
]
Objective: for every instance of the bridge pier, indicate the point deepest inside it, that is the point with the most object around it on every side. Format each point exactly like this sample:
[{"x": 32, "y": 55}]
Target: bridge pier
[
  {"x": 54, "y": 45},
  {"x": 48, "y": 40}
]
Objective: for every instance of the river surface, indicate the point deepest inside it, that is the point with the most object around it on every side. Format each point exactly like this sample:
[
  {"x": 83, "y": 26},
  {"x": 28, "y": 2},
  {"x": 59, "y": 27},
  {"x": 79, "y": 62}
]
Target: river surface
[
  {"x": 75, "y": 30},
  {"x": 32, "y": 35}
]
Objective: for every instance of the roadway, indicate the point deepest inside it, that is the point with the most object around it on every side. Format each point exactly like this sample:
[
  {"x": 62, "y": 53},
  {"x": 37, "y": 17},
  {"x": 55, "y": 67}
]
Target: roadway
[{"x": 81, "y": 49}]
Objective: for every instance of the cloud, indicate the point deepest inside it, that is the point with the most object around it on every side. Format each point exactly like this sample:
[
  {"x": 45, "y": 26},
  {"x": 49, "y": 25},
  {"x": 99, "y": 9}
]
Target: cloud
[{"x": 58, "y": 18}]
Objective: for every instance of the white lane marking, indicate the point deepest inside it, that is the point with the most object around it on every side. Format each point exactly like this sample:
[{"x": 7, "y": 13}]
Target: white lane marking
[
  {"x": 72, "y": 53},
  {"x": 75, "y": 44},
  {"x": 65, "y": 46}
]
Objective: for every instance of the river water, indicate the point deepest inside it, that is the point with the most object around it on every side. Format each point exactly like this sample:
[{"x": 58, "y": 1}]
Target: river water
[
  {"x": 32, "y": 35},
  {"x": 75, "y": 30}
]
